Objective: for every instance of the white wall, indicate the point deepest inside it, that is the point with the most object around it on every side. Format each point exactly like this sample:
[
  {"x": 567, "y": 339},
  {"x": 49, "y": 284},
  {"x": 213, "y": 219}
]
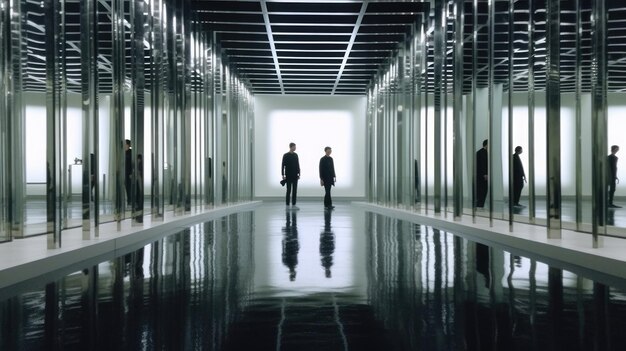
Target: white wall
[
  {"x": 569, "y": 139},
  {"x": 312, "y": 122},
  {"x": 35, "y": 125}
]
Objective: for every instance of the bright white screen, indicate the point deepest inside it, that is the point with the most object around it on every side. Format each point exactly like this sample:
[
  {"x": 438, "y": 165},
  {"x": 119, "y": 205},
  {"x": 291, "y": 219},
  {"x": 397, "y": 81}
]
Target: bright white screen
[
  {"x": 312, "y": 131},
  {"x": 312, "y": 122}
]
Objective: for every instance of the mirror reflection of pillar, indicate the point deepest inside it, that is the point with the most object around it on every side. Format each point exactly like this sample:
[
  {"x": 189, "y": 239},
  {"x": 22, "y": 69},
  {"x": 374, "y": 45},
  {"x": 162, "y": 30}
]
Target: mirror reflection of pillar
[
  {"x": 458, "y": 109},
  {"x": 579, "y": 128},
  {"x": 116, "y": 141},
  {"x": 157, "y": 111},
  {"x": 89, "y": 91},
  {"x": 12, "y": 123},
  {"x": 51, "y": 317},
  {"x": 531, "y": 111},
  {"x": 439, "y": 42},
  {"x": 553, "y": 118},
  {"x": 137, "y": 109},
  {"x": 555, "y": 308},
  {"x": 599, "y": 144},
  {"x": 55, "y": 118}
]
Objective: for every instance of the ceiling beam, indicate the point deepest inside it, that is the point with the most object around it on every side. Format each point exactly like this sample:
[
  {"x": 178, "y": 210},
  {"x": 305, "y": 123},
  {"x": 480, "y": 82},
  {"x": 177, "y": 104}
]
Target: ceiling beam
[
  {"x": 346, "y": 55},
  {"x": 270, "y": 37}
]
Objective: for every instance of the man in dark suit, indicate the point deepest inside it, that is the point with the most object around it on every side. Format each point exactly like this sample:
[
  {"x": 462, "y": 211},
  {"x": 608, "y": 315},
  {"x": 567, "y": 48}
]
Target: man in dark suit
[
  {"x": 612, "y": 179},
  {"x": 482, "y": 177},
  {"x": 290, "y": 170},
  {"x": 327, "y": 176},
  {"x": 519, "y": 177}
]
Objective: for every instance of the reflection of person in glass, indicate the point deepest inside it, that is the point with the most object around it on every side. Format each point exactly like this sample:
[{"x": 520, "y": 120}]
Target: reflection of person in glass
[
  {"x": 327, "y": 244},
  {"x": 139, "y": 190},
  {"x": 128, "y": 171},
  {"x": 482, "y": 178},
  {"x": 327, "y": 176},
  {"x": 482, "y": 263},
  {"x": 611, "y": 175},
  {"x": 291, "y": 246},
  {"x": 519, "y": 177}
]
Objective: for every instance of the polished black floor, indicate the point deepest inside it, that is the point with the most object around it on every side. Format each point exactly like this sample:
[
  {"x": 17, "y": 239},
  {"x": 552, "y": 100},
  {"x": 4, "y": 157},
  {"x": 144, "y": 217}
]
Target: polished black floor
[{"x": 309, "y": 279}]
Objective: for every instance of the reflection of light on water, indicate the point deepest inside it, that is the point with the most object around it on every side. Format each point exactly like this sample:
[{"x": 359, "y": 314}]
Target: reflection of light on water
[{"x": 311, "y": 276}]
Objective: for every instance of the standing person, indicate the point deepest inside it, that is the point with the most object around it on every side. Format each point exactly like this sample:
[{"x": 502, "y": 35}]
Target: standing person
[
  {"x": 612, "y": 179},
  {"x": 482, "y": 175},
  {"x": 327, "y": 176},
  {"x": 519, "y": 177},
  {"x": 290, "y": 170},
  {"x": 128, "y": 171}
]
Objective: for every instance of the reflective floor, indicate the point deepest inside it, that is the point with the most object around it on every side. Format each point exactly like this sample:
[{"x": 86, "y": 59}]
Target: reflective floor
[
  {"x": 35, "y": 215},
  {"x": 308, "y": 279}
]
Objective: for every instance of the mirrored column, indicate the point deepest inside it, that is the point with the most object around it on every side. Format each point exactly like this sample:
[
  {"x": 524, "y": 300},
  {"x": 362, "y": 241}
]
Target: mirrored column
[
  {"x": 553, "y": 118},
  {"x": 599, "y": 119},
  {"x": 55, "y": 111}
]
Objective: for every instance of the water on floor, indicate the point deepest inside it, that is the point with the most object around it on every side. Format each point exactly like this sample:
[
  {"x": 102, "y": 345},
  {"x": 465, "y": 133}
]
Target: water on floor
[{"x": 309, "y": 279}]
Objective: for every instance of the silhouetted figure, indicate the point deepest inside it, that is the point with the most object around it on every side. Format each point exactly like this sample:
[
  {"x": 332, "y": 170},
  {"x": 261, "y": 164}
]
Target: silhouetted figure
[
  {"x": 519, "y": 177},
  {"x": 290, "y": 170},
  {"x": 327, "y": 176},
  {"x": 482, "y": 263},
  {"x": 482, "y": 177},
  {"x": 291, "y": 246},
  {"x": 139, "y": 189},
  {"x": 611, "y": 175},
  {"x": 327, "y": 244},
  {"x": 128, "y": 171}
]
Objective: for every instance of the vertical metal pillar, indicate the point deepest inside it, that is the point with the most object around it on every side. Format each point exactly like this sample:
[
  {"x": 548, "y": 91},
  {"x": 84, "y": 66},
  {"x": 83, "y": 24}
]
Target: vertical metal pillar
[
  {"x": 117, "y": 110},
  {"x": 510, "y": 109},
  {"x": 5, "y": 59},
  {"x": 157, "y": 110},
  {"x": 491, "y": 81},
  {"x": 531, "y": 112},
  {"x": 578, "y": 93},
  {"x": 137, "y": 108},
  {"x": 457, "y": 169},
  {"x": 89, "y": 91},
  {"x": 598, "y": 118},
  {"x": 472, "y": 141},
  {"x": 13, "y": 134},
  {"x": 439, "y": 55},
  {"x": 553, "y": 118},
  {"x": 186, "y": 163},
  {"x": 55, "y": 87}
]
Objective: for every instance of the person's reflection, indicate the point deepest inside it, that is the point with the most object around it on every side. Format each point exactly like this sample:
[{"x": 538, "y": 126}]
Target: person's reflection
[
  {"x": 610, "y": 218},
  {"x": 133, "y": 263},
  {"x": 482, "y": 262},
  {"x": 327, "y": 244},
  {"x": 291, "y": 246}
]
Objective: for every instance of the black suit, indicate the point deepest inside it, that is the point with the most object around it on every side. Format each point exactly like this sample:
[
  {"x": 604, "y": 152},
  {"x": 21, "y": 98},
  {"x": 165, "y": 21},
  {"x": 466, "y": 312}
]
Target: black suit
[
  {"x": 290, "y": 169},
  {"x": 128, "y": 171},
  {"x": 482, "y": 170},
  {"x": 611, "y": 177},
  {"x": 327, "y": 176},
  {"x": 518, "y": 178}
]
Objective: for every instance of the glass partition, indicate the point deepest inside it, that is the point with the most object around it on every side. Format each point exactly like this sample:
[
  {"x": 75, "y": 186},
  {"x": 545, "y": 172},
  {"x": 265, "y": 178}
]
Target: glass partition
[
  {"x": 109, "y": 109},
  {"x": 542, "y": 78}
]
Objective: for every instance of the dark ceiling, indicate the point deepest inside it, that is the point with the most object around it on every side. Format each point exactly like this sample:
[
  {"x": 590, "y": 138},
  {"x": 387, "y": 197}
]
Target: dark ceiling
[
  {"x": 314, "y": 47},
  {"x": 339, "y": 46}
]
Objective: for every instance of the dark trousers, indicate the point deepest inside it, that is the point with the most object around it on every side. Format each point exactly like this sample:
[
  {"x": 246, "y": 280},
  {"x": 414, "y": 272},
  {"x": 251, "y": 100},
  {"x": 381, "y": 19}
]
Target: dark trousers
[
  {"x": 127, "y": 184},
  {"x": 328, "y": 202},
  {"x": 611, "y": 193},
  {"x": 517, "y": 190},
  {"x": 481, "y": 192},
  {"x": 292, "y": 185}
]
